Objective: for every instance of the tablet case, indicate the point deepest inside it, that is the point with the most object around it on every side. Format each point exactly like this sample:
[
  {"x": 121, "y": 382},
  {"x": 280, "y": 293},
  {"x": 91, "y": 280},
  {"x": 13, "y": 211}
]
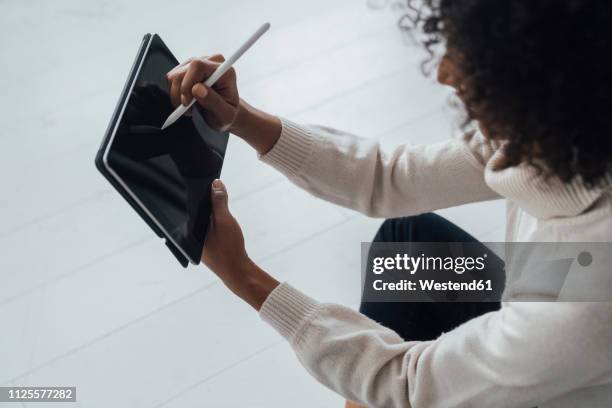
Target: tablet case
[{"x": 99, "y": 156}]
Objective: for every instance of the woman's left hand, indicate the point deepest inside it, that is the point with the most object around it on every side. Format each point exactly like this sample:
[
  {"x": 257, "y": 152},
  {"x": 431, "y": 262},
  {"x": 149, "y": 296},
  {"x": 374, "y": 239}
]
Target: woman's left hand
[{"x": 225, "y": 254}]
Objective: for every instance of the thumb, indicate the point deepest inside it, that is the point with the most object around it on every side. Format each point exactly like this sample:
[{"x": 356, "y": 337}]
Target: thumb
[
  {"x": 210, "y": 100},
  {"x": 219, "y": 199}
]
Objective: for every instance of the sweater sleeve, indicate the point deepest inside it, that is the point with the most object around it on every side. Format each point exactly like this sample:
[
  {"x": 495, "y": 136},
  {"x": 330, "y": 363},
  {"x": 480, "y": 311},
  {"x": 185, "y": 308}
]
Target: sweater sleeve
[
  {"x": 357, "y": 173},
  {"x": 522, "y": 355}
]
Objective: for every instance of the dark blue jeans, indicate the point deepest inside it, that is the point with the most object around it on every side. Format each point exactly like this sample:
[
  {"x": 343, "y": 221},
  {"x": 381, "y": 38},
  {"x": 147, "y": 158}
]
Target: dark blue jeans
[{"x": 423, "y": 321}]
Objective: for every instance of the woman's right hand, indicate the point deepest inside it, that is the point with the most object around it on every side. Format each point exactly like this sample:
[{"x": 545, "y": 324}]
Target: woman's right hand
[{"x": 221, "y": 105}]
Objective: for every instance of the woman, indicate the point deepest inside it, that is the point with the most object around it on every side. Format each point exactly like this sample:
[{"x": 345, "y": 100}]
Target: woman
[{"x": 533, "y": 75}]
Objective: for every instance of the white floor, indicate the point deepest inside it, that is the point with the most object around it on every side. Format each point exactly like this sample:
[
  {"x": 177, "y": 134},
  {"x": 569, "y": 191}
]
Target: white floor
[{"x": 88, "y": 297}]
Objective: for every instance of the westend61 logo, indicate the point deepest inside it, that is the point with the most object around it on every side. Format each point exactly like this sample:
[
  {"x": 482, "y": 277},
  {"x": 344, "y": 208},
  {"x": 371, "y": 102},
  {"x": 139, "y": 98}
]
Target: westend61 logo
[{"x": 486, "y": 272}]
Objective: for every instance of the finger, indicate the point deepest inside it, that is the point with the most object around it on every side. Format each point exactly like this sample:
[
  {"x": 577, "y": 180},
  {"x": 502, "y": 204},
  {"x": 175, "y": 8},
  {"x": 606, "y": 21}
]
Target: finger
[
  {"x": 197, "y": 71},
  {"x": 217, "y": 58},
  {"x": 183, "y": 66},
  {"x": 175, "y": 92},
  {"x": 179, "y": 68},
  {"x": 219, "y": 200},
  {"x": 214, "y": 103}
]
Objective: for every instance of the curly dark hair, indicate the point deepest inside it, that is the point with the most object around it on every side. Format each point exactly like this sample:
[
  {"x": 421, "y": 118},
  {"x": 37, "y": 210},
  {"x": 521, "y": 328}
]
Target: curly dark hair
[{"x": 538, "y": 76}]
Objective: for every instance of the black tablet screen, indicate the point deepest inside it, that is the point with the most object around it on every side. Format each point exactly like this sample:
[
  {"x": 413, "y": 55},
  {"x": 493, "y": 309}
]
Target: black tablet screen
[{"x": 169, "y": 171}]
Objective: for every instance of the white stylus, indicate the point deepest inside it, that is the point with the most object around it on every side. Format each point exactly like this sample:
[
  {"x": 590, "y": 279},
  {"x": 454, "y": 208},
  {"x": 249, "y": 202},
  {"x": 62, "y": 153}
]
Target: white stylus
[{"x": 210, "y": 81}]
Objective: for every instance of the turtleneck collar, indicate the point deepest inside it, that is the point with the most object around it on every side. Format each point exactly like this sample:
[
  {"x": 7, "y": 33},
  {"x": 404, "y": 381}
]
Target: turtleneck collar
[{"x": 542, "y": 198}]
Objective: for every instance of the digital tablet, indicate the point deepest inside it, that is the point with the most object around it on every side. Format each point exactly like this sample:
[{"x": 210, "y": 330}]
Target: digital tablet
[{"x": 164, "y": 175}]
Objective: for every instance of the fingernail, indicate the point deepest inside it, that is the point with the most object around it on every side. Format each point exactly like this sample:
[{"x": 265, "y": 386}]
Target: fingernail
[
  {"x": 184, "y": 100},
  {"x": 217, "y": 184}
]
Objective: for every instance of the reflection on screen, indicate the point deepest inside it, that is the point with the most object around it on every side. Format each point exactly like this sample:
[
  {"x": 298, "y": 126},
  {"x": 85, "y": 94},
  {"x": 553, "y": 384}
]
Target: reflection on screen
[{"x": 170, "y": 171}]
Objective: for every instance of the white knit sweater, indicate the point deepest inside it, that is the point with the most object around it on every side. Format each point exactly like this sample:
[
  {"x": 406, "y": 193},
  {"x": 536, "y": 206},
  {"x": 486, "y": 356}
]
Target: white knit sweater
[{"x": 548, "y": 354}]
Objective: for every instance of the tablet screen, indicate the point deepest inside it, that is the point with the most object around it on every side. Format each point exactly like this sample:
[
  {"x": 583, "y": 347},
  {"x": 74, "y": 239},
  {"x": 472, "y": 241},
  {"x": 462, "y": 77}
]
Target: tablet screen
[{"x": 169, "y": 171}]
